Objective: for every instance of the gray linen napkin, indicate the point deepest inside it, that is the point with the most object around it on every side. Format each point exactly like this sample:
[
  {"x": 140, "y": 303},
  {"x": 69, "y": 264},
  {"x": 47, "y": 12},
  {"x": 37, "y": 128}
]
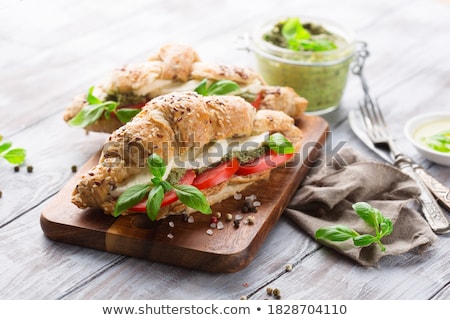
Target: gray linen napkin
[{"x": 326, "y": 196}]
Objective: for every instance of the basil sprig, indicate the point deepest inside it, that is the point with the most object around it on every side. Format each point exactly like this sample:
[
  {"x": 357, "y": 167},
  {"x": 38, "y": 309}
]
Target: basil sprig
[
  {"x": 96, "y": 108},
  {"x": 279, "y": 144},
  {"x": 299, "y": 39},
  {"x": 155, "y": 190},
  {"x": 372, "y": 216},
  {"x": 13, "y": 156},
  {"x": 221, "y": 87}
]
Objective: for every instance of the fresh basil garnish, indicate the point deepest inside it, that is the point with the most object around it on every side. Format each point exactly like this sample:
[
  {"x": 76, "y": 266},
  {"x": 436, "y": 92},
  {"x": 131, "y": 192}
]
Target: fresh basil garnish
[
  {"x": 96, "y": 108},
  {"x": 154, "y": 190},
  {"x": 221, "y": 87},
  {"x": 300, "y": 39},
  {"x": 192, "y": 197},
  {"x": 279, "y": 144},
  {"x": 130, "y": 197},
  {"x": 372, "y": 216},
  {"x": 439, "y": 142}
]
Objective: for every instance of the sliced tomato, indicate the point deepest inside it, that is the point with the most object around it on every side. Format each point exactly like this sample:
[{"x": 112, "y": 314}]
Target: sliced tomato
[
  {"x": 169, "y": 197},
  {"x": 213, "y": 176},
  {"x": 257, "y": 102},
  {"x": 134, "y": 106},
  {"x": 265, "y": 162}
]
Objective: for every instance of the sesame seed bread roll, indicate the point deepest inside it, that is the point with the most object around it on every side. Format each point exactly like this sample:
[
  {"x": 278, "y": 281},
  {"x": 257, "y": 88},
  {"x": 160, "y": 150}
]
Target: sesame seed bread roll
[
  {"x": 177, "y": 68},
  {"x": 169, "y": 126}
]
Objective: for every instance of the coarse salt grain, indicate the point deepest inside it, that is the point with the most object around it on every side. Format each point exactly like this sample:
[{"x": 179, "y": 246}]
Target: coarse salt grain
[
  {"x": 238, "y": 217},
  {"x": 191, "y": 219},
  {"x": 170, "y": 236},
  {"x": 219, "y": 225},
  {"x": 210, "y": 232},
  {"x": 171, "y": 224},
  {"x": 237, "y": 196},
  {"x": 257, "y": 203},
  {"x": 251, "y": 197},
  {"x": 213, "y": 225}
]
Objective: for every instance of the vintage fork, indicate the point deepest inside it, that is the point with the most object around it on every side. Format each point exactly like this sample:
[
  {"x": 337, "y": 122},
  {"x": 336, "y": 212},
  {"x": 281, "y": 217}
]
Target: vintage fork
[{"x": 379, "y": 134}]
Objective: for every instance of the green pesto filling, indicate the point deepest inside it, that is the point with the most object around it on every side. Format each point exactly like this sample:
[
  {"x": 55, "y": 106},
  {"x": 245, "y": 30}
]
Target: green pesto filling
[
  {"x": 175, "y": 175},
  {"x": 125, "y": 99},
  {"x": 247, "y": 155}
]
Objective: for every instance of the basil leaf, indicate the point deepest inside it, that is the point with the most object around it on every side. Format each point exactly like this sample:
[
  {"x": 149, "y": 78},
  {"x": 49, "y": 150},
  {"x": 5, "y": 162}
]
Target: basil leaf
[
  {"x": 290, "y": 27},
  {"x": 154, "y": 201},
  {"x": 91, "y": 99},
  {"x": 386, "y": 227},
  {"x": 15, "y": 156},
  {"x": 126, "y": 114},
  {"x": 367, "y": 213},
  {"x": 222, "y": 87},
  {"x": 156, "y": 165},
  {"x": 280, "y": 145},
  {"x": 201, "y": 88},
  {"x": 335, "y": 233},
  {"x": 5, "y": 146},
  {"x": 167, "y": 186},
  {"x": 364, "y": 240},
  {"x": 130, "y": 197},
  {"x": 193, "y": 198},
  {"x": 88, "y": 115}
]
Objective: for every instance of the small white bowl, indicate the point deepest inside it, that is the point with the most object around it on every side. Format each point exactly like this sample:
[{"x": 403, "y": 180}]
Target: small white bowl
[{"x": 438, "y": 120}]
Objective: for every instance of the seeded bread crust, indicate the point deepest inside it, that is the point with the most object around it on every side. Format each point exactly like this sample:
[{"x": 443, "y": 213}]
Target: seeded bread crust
[
  {"x": 180, "y": 64},
  {"x": 169, "y": 126}
]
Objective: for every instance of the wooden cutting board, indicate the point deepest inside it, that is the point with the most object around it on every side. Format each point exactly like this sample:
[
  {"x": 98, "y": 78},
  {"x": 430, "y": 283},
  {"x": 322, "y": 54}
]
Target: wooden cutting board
[{"x": 178, "y": 242}]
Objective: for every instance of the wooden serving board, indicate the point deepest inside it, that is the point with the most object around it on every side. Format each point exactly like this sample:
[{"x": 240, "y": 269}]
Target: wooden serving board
[{"x": 227, "y": 250}]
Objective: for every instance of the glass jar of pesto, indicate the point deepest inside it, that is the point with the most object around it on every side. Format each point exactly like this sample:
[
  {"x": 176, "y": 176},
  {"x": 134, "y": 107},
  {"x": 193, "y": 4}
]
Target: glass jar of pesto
[{"x": 310, "y": 55}]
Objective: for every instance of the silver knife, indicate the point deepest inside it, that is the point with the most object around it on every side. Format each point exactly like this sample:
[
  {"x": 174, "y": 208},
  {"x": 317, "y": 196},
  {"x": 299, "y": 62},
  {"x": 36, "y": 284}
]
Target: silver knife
[{"x": 439, "y": 190}]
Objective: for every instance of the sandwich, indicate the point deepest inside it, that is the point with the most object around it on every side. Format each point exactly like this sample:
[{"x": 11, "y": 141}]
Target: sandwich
[
  {"x": 175, "y": 67},
  {"x": 185, "y": 152}
]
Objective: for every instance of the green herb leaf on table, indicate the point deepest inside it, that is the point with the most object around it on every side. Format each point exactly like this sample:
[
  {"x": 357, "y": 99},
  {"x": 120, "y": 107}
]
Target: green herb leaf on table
[
  {"x": 13, "y": 156},
  {"x": 221, "y": 87},
  {"x": 372, "y": 216},
  {"x": 279, "y": 144}
]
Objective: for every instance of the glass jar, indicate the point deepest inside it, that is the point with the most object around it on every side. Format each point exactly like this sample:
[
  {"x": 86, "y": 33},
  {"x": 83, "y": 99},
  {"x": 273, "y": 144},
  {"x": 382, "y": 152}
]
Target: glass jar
[{"x": 319, "y": 76}]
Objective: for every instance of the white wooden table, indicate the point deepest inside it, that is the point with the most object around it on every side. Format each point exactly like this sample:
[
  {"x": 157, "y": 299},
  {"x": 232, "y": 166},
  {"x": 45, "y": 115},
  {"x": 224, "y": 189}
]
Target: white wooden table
[{"x": 53, "y": 50}]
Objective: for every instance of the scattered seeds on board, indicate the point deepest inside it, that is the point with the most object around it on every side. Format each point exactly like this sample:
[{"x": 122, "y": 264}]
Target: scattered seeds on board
[
  {"x": 219, "y": 225},
  {"x": 288, "y": 267},
  {"x": 276, "y": 292},
  {"x": 171, "y": 224},
  {"x": 269, "y": 291},
  {"x": 209, "y": 232},
  {"x": 237, "y": 196},
  {"x": 29, "y": 169},
  {"x": 238, "y": 217},
  {"x": 213, "y": 220},
  {"x": 251, "y": 219},
  {"x": 229, "y": 217},
  {"x": 74, "y": 168},
  {"x": 170, "y": 236},
  {"x": 236, "y": 224},
  {"x": 213, "y": 225},
  {"x": 217, "y": 215}
]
